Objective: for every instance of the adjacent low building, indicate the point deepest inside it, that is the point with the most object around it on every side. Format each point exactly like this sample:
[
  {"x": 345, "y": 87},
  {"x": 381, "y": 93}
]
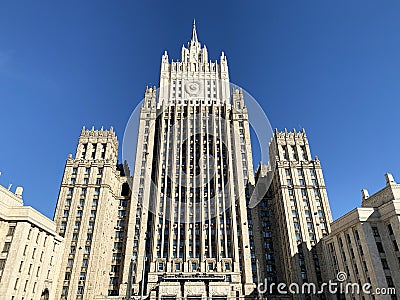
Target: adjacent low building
[
  {"x": 30, "y": 249},
  {"x": 364, "y": 244}
]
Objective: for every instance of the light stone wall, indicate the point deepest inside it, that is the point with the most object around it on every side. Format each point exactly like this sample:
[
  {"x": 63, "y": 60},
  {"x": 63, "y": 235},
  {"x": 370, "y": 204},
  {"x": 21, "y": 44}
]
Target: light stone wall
[
  {"x": 296, "y": 213},
  {"x": 364, "y": 243},
  {"x": 87, "y": 215},
  {"x": 30, "y": 250}
]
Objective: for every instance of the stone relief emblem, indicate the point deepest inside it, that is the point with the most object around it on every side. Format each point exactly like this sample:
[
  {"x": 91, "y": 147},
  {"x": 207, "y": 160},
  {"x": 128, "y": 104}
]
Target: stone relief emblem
[{"x": 193, "y": 88}]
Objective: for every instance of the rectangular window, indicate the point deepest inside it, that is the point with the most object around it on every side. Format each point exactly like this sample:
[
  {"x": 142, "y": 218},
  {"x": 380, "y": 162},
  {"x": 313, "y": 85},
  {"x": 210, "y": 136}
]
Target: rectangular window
[
  {"x": 11, "y": 231},
  {"x": 6, "y": 247},
  {"x": 64, "y": 291},
  {"x": 70, "y": 263},
  {"x": 80, "y": 290},
  {"x": 82, "y": 276},
  {"x": 84, "y": 263},
  {"x": 375, "y": 231}
]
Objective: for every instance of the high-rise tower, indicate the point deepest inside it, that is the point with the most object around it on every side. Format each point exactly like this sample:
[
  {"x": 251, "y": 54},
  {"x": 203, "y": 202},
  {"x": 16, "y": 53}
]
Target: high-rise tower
[
  {"x": 90, "y": 215},
  {"x": 181, "y": 226},
  {"x": 292, "y": 218},
  {"x": 193, "y": 164}
]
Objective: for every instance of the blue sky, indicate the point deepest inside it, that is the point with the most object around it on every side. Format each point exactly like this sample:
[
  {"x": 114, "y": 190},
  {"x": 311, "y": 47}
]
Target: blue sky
[{"x": 332, "y": 67}]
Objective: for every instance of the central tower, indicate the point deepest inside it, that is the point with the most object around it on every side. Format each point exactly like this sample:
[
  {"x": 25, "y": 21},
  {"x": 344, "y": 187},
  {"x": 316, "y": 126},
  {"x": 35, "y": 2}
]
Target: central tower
[{"x": 193, "y": 167}]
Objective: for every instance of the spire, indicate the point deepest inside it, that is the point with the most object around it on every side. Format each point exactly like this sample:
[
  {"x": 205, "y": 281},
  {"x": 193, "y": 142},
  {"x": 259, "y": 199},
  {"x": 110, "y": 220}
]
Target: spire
[{"x": 194, "y": 33}]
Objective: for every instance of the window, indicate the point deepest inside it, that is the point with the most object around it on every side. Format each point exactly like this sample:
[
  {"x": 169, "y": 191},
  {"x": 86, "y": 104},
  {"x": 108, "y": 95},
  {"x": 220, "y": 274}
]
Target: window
[
  {"x": 210, "y": 266},
  {"x": 227, "y": 266},
  {"x": 384, "y": 263},
  {"x": 66, "y": 213},
  {"x": 6, "y": 247},
  {"x": 77, "y": 225},
  {"x": 2, "y": 267},
  {"x": 82, "y": 276},
  {"x": 375, "y": 231},
  {"x": 74, "y": 171},
  {"x": 70, "y": 263},
  {"x": 177, "y": 266},
  {"x": 87, "y": 171},
  {"x": 160, "y": 266},
  {"x": 99, "y": 171},
  {"x": 98, "y": 181},
  {"x": 64, "y": 291},
  {"x": 390, "y": 229},
  {"x": 194, "y": 266},
  {"x": 67, "y": 276},
  {"x": 380, "y": 247},
  {"x": 11, "y": 231},
  {"x": 389, "y": 281},
  {"x": 298, "y": 236},
  {"x": 96, "y": 191},
  {"x": 87, "y": 249},
  {"x": 3, "y": 263},
  {"x": 72, "y": 181},
  {"x": 115, "y": 268},
  {"x": 85, "y": 180},
  {"x": 395, "y": 246},
  {"x": 80, "y": 290}
]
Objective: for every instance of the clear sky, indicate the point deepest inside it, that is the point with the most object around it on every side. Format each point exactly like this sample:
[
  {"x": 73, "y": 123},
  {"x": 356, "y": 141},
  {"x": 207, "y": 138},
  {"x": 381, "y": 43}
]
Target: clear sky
[{"x": 332, "y": 67}]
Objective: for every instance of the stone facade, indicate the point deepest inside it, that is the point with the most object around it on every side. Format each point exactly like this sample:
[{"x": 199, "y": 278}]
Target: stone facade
[
  {"x": 30, "y": 250},
  {"x": 293, "y": 216},
  {"x": 364, "y": 244},
  {"x": 91, "y": 215}
]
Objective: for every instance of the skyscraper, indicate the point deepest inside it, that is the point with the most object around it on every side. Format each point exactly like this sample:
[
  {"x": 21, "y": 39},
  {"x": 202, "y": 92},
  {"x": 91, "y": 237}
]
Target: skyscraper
[
  {"x": 293, "y": 216},
  {"x": 183, "y": 230},
  {"x": 180, "y": 226},
  {"x": 193, "y": 165}
]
